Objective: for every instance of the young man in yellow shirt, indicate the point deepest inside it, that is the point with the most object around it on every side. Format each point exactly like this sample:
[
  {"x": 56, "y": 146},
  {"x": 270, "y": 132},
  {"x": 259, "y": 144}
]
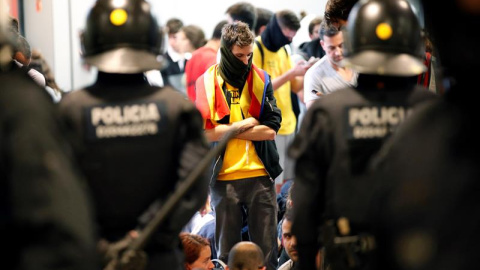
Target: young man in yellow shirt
[{"x": 237, "y": 93}]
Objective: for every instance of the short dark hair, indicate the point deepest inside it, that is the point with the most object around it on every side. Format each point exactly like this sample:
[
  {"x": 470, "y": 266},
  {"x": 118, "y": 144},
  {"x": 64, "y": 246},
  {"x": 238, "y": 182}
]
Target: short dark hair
[
  {"x": 237, "y": 33},
  {"x": 286, "y": 18},
  {"x": 244, "y": 12},
  {"x": 328, "y": 29},
  {"x": 173, "y": 26},
  {"x": 217, "y": 32},
  {"x": 263, "y": 17},
  {"x": 336, "y": 10},
  {"x": 195, "y": 35},
  {"x": 311, "y": 25}
]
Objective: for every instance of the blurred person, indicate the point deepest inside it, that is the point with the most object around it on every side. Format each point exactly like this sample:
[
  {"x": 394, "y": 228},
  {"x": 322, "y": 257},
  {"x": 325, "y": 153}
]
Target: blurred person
[
  {"x": 135, "y": 143},
  {"x": 46, "y": 216},
  {"x": 174, "y": 66},
  {"x": 197, "y": 252},
  {"x": 337, "y": 11},
  {"x": 242, "y": 12},
  {"x": 189, "y": 39},
  {"x": 237, "y": 93},
  {"x": 313, "y": 47},
  {"x": 40, "y": 64},
  {"x": 344, "y": 130},
  {"x": 202, "y": 59},
  {"x": 263, "y": 17}
]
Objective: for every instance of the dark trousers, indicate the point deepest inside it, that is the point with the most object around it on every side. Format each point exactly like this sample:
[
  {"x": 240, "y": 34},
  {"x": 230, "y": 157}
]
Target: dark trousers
[{"x": 257, "y": 196}]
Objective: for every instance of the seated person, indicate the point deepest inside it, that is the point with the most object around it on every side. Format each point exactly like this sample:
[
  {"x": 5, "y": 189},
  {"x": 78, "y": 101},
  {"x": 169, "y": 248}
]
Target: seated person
[{"x": 197, "y": 252}]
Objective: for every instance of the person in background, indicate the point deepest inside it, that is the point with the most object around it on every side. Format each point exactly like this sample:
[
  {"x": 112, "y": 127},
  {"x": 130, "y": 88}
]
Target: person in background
[
  {"x": 263, "y": 17},
  {"x": 313, "y": 47},
  {"x": 329, "y": 74},
  {"x": 197, "y": 252},
  {"x": 289, "y": 241},
  {"x": 337, "y": 11},
  {"x": 202, "y": 59},
  {"x": 242, "y": 12},
  {"x": 271, "y": 54},
  {"x": 174, "y": 66},
  {"x": 246, "y": 256}
]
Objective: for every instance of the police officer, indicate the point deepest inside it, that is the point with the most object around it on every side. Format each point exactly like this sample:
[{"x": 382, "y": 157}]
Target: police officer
[
  {"x": 45, "y": 218},
  {"x": 342, "y": 131},
  {"x": 427, "y": 213},
  {"x": 134, "y": 142}
]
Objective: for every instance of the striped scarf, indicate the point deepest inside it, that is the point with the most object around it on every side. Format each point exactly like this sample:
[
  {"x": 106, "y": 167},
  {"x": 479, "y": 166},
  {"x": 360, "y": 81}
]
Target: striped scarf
[{"x": 211, "y": 100}]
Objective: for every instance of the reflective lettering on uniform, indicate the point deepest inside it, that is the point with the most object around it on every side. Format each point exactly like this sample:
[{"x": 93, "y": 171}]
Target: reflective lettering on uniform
[
  {"x": 375, "y": 121},
  {"x": 134, "y": 130},
  {"x": 125, "y": 120},
  {"x": 373, "y": 116},
  {"x": 123, "y": 115}
]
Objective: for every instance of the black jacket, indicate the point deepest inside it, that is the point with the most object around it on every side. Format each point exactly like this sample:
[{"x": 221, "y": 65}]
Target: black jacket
[
  {"x": 311, "y": 48},
  {"x": 339, "y": 135},
  {"x": 46, "y": 217},
  {"x": 266, "y": 150},
  {"x": 135, "y": 143}
]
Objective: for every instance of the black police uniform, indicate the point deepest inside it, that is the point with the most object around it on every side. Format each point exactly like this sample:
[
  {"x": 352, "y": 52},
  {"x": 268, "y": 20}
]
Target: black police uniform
[
  {"x": 135, "y": 143},
  {"x": 342, "y": 131},
  {"x": 427, "y": 213},
  {"x": 46, "y": 219},
  {"x": 339, "y": 135}
]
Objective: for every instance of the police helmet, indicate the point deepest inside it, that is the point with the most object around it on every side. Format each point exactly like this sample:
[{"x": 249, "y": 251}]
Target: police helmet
[
  {"x": 122, "y": 36},
  {"x": 384, "y": 37}
]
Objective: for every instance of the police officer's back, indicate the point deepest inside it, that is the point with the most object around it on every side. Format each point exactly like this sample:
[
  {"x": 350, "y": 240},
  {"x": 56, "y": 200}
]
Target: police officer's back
[
  {"x": 45, "y": 215},
  {"x": 342, "y": 131},
  {"x": 134, "y": 142},
  {"x": 427, "y": 208}
]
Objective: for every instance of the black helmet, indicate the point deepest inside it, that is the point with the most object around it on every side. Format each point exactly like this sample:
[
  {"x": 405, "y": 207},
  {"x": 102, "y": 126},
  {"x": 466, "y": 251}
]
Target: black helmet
[
  {"x": 122, "y": 36},
  {"x": 384, "y": 37}
]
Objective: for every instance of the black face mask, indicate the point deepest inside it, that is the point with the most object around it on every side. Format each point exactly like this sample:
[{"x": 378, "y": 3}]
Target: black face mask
[
  {"x": 232, "y": 69},
  {"x": 273, "y": 37}
]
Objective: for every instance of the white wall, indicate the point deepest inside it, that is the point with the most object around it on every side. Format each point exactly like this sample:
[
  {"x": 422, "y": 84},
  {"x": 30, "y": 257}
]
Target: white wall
[{"x": 55, "y": 30}]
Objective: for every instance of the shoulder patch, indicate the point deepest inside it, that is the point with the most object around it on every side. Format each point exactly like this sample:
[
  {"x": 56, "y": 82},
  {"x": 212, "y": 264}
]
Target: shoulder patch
[
  {"x": 123, "y": 120},
  {"x": 373, "y": 122}
]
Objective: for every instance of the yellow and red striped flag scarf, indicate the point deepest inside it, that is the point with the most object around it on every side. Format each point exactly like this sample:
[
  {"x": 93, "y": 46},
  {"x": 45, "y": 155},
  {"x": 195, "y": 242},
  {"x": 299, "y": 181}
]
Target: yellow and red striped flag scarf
[{"x": 211, "y": 100}]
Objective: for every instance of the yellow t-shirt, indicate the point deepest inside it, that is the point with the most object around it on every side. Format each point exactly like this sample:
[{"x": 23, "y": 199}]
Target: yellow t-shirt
[
  {"x": 240, "y": 160},
  {"x": 276, "y": 64}
]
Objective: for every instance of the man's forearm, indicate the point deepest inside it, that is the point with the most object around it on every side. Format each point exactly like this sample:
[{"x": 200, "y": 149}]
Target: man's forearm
[
  {"x": 258, "y": 133},
  {"x": 219, "y": 131}
]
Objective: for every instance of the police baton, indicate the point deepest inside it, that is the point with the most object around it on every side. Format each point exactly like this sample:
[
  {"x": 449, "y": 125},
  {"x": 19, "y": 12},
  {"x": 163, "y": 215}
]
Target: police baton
[{"x": 151, "y": 227}]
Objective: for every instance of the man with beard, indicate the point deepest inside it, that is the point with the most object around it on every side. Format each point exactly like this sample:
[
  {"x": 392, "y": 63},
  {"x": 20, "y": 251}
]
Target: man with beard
[
  {"x": 328, "y": 74},
  {"x": 289, "y": 241},
  {"x": 237, "y": 93}
]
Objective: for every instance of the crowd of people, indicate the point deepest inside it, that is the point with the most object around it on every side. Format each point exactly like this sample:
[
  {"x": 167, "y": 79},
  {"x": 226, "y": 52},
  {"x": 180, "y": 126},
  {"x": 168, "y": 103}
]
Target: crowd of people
[{"x": 353, "y": 149}]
